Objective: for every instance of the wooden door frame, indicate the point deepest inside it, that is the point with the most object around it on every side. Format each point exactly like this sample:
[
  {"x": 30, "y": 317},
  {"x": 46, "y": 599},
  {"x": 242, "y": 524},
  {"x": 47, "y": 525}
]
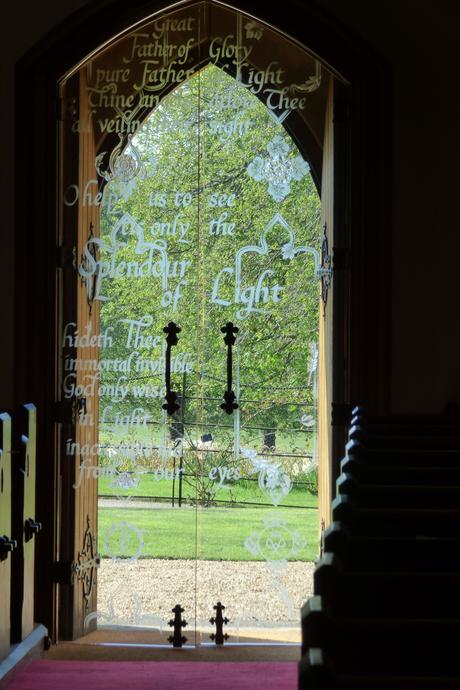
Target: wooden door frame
[{"x": 362, "y": 228}]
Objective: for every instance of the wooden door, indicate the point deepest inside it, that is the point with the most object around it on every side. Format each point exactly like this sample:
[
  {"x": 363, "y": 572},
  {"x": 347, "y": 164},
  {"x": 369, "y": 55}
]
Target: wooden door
[
  {"x": 77, "y": 410},
  {"x": 26, "y": 526},
  {"x": 5, "y": 533},
  {"x": 334, "y": 369},
  {"x": 325, "y": 364}
]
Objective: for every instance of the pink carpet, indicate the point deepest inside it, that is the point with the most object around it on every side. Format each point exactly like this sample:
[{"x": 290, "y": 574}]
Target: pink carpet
[{"x": 155, "y": 675}]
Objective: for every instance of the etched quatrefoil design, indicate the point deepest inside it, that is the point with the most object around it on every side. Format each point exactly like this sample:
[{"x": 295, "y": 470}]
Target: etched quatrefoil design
[{"x": 278, "y": 169}]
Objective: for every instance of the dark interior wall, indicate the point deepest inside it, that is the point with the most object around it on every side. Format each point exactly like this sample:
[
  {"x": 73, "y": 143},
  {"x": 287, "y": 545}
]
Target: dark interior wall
[
  {"x": 24, "y": 23},
  {"x": 417, "y": 39}
]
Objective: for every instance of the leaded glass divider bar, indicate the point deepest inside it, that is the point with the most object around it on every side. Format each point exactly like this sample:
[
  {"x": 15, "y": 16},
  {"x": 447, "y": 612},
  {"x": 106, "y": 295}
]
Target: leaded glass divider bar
[{"x": 205, "y": 211}]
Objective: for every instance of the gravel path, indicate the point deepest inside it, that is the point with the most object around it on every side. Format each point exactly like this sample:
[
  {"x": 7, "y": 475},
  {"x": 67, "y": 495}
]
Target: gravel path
[{"x": 143, "y": 592}]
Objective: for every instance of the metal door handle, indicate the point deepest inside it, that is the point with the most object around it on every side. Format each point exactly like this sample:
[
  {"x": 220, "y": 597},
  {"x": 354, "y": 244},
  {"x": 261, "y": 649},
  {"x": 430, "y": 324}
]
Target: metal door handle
[
  {"x": 31, "y": 527},
  {"x": 6, "y": 547},
  {"x": 229, "y": 396},
  {"x": 171, "y": 331}
]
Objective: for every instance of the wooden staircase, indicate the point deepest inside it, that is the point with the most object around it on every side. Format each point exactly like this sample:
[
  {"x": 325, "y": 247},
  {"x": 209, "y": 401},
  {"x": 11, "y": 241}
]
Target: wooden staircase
[{"x": 386, "y": 609}]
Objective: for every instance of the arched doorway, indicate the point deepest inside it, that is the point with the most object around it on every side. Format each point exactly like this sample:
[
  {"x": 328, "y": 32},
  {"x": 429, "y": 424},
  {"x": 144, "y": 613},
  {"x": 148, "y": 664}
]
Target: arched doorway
[
  {"x": 45, "y": 259},
  {"x": 195, "y": 208}
]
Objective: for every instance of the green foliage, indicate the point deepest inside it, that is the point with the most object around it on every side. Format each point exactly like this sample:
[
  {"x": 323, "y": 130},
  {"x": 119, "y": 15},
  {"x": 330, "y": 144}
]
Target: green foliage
[
  {"x": 188, "y": 152},
  {"x": 312, "y": 479}
]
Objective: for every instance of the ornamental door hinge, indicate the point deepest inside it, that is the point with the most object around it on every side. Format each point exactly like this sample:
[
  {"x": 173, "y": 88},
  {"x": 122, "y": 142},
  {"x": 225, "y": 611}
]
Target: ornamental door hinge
[
  {"x": 84, "y": 569},
  {"x": 339, "y": 261},
  {"x": 325, "y": 268}
]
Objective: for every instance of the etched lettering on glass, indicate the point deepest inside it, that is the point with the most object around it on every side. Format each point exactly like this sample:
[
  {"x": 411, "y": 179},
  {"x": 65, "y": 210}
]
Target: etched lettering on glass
[
  {"x": 264, "y": 291},
  {"x": 155, "y": 263},
  {"x": 190, "y": 164}
]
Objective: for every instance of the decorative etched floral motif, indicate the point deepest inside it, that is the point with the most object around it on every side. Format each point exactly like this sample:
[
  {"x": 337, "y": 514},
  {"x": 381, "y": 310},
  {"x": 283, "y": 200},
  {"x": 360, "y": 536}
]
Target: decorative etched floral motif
[
  {"x": 253, "y": 30},
  {"x": 125, "y": 607},
  {"x": 273, "y": 479},
  {"x": 124, "y": 167},
  {"x": 276, "y": 482},
  {"x": 288, "y": 251},
  {"x": 278, "y": 170},
  {"x": 123, "y": 540},
  {"x": 277, "y": 147},
  {"x": 275, "y": 542},
  {"x": 125, "y": 480},
  {"x": 311, "y": 84}
]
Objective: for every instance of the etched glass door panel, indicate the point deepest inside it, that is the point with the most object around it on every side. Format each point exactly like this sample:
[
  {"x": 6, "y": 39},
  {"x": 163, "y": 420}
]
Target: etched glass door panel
[
  {"x": 260, "y": 217},
  {"x": 198, "y": 215},
  {"x": 137, "y": 268}
]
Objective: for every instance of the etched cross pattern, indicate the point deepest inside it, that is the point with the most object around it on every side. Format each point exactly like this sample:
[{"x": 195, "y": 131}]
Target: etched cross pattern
[{"x": 278, "y": 169}]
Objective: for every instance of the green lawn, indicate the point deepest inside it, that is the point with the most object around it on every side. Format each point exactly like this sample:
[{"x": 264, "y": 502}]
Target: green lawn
[
  {"x": 214, "y": 533},
  {"x": 242, "y": 491}
]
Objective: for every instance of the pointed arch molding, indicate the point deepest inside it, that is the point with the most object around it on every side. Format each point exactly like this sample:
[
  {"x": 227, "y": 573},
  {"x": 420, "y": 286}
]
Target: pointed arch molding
[{"x": 361, "y": 220}]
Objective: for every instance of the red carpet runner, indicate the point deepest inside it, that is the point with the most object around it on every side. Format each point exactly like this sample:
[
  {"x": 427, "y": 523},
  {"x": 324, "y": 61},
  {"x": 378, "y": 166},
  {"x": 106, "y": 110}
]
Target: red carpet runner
[{"x": 155, "y": 675}]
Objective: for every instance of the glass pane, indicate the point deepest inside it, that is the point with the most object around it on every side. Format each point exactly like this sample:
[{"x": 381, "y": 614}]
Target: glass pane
[
  {"x": 187, "y": 197},
  {"x": 260, "y": 212}
]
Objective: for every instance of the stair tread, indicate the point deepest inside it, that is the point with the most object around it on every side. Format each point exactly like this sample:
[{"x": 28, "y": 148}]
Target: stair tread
[
  {"x": 417, "y": 622},
  {"x": 402, "y": 487},
  {"x": 401, "y": 499},
  {"x": 404, "y": 468},
  {"x": 340, "y": 528},
  {"x": 389, "y": 681},
  {"x": 425, "y": 511},
  {"x": 415, "y": 575}
]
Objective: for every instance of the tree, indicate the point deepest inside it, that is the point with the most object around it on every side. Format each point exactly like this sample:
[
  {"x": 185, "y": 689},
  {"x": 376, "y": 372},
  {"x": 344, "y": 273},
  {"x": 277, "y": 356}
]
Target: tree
[{"x": 215, "y": 170}]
